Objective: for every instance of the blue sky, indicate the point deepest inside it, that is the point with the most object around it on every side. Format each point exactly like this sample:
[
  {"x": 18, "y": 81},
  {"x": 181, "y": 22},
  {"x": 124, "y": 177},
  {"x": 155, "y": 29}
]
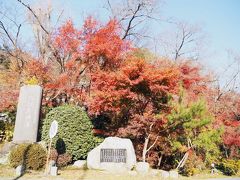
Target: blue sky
[{"x": 219, "y": 19}]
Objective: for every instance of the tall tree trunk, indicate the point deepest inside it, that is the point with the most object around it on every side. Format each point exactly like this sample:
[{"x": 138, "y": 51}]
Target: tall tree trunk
[{"x": 145, "y": 149}]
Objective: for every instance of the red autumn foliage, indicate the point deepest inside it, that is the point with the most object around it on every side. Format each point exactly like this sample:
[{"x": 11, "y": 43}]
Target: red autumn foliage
[
  {"x": 231, "y": 136},
  {"x": 36, "y": 68},
  {"x": 92, "y": 44},
  {"x": 67, "y": 39},
  {"x": 8, "y": 101},
  {"x": 125, "y": 90},
  {"x": 194, "y": 83},
  {"x": 225, "y": 106},
  {"x": 137, "y": 88},
  {"x": 104, "y": 46},
  {"x": 88, "y": 49},
  {"x": 190, "y": 74},
  {"x": 228, "y": 113}
]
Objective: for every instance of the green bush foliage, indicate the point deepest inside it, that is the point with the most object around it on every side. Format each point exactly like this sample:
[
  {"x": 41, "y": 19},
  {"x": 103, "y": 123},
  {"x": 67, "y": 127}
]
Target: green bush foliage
[
  {"x": 193, "y": 123},
  {"x": 74, "y": 131},
  {"x": 32, "y": 156},
  {"x": 229, "y": 167}
]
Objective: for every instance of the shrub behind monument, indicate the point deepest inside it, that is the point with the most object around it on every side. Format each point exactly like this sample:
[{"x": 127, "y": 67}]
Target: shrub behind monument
[{"x": 74, "y": 131}]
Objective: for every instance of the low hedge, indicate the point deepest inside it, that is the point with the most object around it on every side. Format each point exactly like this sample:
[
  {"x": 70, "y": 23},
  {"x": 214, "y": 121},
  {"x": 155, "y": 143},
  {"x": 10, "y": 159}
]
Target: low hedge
[{"x": 32, "y": 156}]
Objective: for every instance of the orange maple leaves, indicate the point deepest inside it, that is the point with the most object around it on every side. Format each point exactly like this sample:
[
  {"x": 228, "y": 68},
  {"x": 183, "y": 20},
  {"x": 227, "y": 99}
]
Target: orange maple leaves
[
  {"x": 135, "y": 84},
  {"x": 93, "y": 43},
  {"x": 105, "y": 46},
  {"x": 67, "y": 39}
]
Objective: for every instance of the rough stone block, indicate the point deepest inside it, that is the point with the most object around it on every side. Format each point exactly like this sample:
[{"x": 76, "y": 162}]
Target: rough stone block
[
  {"x": 20, "y": 170},
  {"x": 80, "y": 164}
]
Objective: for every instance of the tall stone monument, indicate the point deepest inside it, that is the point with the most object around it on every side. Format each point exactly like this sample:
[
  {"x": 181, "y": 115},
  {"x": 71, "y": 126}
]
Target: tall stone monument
[{"x": 28, "y": 111}]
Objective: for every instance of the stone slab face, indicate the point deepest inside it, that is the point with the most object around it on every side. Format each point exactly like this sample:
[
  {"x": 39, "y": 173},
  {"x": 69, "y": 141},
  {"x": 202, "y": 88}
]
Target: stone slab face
[
  {"x": 113, "y": 154},
  {"x": 28, "y": 111}
]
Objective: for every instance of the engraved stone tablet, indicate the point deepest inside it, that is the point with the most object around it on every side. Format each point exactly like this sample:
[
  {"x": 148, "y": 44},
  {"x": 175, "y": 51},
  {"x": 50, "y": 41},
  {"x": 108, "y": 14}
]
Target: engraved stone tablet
[
  {"x": 28, "y": 110},
  {"x": 113, "y": 155}
]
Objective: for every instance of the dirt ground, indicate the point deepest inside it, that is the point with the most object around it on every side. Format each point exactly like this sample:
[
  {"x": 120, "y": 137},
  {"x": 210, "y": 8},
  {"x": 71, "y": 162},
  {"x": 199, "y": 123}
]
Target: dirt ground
[{"x": 7, "y": 173}]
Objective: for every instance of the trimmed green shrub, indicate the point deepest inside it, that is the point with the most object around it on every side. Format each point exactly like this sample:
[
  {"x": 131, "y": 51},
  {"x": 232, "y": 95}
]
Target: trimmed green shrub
[
  {"x": 229, "y": 167},
  {"x": 32, "y": 156},
  {"x": 74, "y": 131},
  {"x": 36, "y": 157},
  {"x": 18, "y": 155}
]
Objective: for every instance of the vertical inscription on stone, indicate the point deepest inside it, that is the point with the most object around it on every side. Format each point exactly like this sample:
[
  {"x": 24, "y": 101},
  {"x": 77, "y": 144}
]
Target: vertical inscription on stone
[
  {"x": 113, "y": 155},
  {"x": 28, "y": 110}
]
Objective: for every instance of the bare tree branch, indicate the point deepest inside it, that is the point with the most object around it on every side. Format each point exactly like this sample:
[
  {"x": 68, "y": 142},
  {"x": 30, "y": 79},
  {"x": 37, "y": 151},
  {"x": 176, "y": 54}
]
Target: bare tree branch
[
  {"x": 34, "y": 14},
  {"x": 18, "y": 31},
  {"x": 130, "y": 22},
  {"x": 131, "y": 14},
  {"x": 7, "y": 33}
]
